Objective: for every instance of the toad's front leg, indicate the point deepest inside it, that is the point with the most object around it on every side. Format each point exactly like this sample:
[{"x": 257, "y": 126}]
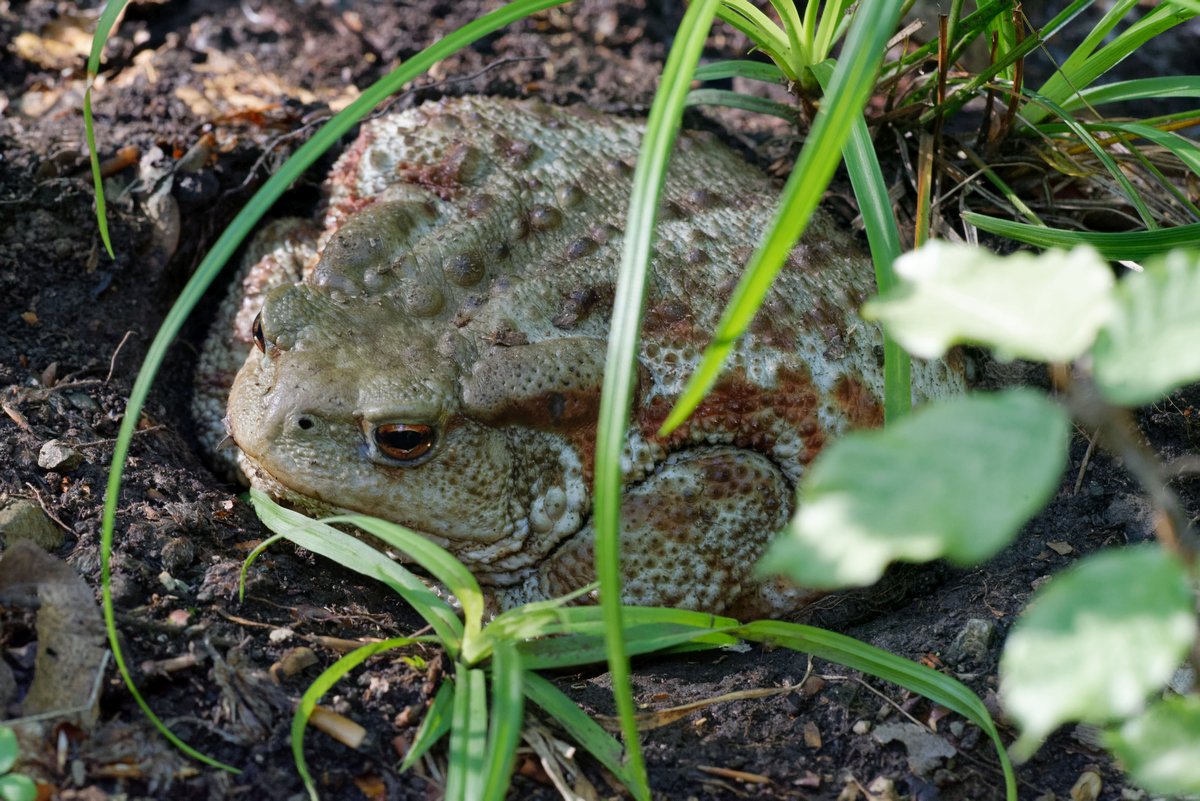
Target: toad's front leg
[{"x": 691, "y": 534}]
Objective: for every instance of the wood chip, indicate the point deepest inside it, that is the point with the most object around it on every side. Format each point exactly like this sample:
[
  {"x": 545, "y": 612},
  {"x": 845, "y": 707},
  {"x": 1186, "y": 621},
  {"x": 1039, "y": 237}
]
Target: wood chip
[
  {"x": 737, "y": 775},
  {"x": 812, "y": 735}
]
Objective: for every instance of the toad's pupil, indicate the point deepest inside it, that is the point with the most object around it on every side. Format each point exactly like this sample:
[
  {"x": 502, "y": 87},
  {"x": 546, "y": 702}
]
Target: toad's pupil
[
  {"x": 260, "y": 341},
  {"x": 404, "y": 442}
]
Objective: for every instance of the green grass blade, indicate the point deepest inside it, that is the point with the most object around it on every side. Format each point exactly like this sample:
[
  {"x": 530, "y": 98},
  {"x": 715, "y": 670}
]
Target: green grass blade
[
  {"x": 759, "y": 105},
  {"x": 883, "y": 236},
  {"x": 1136, "y": 89},
  {"x": 1184, "y": 149},
  {"x": 1027, "y": 45},
  {"x": 620, "y": 373},
  {"x": 737, "y": 68},
  {"x": 1076, "y": 75},
  {"x": 1116, "y": 246},
  {"x": 574, "y": 649},
  {"x": 220, "y": 254},
  {"x": 942, "y": 689},
  {"x": 508, "y": 712},
  {"x": 1005, "y": 29},
  {"x": 103, "y": 28},
  {"x": 799, "y": 38},
  {"x": 581, "y": 728},
  {"x": 1084, "y": 50},
  {"x": 577, "y": 617},
  {"x": 762, "y": 32},
  {"x": 1007, "y": 191},
  {"x": 348, "y": 551},
  {"x": 468, "y": 735},
  {"x": 530, "y": 620},
  {"x": 440, "y": 563},
  {"x": 434, "y": 726},
  {"x": 1181, "y": 147},
  {"x": 849, "y": 87},
  {"x": 249, "y": 560},
  {"x": 1084, "y": 135},
  {"x": 321, "y": 685},
  {"x": 590, "y": 620},
  {"x": 830, "y": 28}
]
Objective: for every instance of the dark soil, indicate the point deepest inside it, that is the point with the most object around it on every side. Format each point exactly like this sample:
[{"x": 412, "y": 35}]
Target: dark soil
[{"x": 76, "y": 326}]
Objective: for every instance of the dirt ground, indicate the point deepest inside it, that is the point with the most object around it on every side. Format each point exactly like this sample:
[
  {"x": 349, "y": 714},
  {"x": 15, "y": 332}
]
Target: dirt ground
[{"x": 221, "y": 86}]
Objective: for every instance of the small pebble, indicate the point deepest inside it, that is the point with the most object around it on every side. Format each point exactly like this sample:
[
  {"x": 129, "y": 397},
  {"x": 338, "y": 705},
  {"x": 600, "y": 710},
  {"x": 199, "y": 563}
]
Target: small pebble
[
  {"x": 972, "y": 642},
  {"x": 280, "y": 635},
  {"x": 861, "y": 726},
  {"x": 58, "y": 455}
]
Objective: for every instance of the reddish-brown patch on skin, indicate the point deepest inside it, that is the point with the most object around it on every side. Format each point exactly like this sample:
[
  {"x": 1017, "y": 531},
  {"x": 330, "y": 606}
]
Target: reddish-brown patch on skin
[
  {"x": 753, "y": 415},
  {"x": 573, "y": 414},
  {"x": 860, "y": 406},
  {"x": 447, "y": 177}
]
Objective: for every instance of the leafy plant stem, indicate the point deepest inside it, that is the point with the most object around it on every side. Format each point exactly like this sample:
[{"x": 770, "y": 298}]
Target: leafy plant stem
[
  {"x": 1117, "y": 433},
  {"x": 218, "y": 256}
]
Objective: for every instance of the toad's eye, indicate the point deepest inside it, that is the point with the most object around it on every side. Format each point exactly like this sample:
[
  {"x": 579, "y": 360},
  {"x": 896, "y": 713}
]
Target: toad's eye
[
  {"x": 404, "y": 442},
  {"x": 260, "y": 341}
]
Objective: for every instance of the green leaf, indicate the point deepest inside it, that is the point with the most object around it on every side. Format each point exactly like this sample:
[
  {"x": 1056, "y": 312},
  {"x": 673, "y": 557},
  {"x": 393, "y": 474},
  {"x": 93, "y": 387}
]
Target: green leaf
[
  {"x": 758, "y": 105},
  {"x": 434, "y": 726},
  {"x": 1159, "y": 747},
  {"x": 10, "y": 749},
  {"x": 350, "y": 552},
  {"x": 16, "y": 787},
  {"x": 939, "y": 688},
  {"x": 508, "y": 713},
  {"x": 1136, "y": 89},
  {"x": 1046, "y": 307},
  {"x": 468, "y": 735},
  {"x": 1148, "y": 348},
  {"x": 1082, "y": 68},
  {"x": 957, "y": 478},
  {"x": 752, "y": 70},
  {"x": 1095, "y": 641},
  {"x": 574, "y": 649},
  {"x": 1128, "y": 245}
]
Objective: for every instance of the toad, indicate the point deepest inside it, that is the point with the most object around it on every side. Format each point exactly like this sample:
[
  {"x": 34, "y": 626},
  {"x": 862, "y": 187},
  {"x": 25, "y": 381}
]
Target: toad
[{"x": 432, "y": 353}]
